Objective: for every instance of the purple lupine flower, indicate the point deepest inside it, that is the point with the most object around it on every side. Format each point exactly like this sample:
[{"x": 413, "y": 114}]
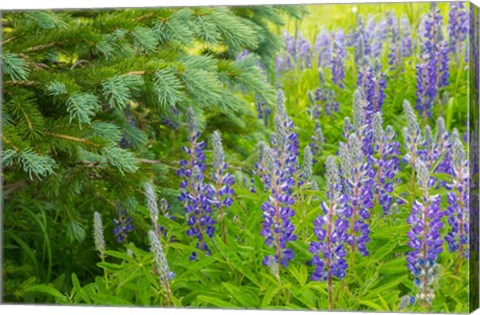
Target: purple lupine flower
[
  {"x": 395, "y": 44},
  {"x": 458, "y": 201},
  {"x": 303, "y": 52},
  {"x": 432, "y": 71},
  {"x": 378, "y": 38},
  {"x": 424, "y": 237},
  {"x": 338, "y": 58},
  {"x": 387, "y": 162},
  {"x": 330, "y": 230},
  {"x": 196, "y": 195},
  {"x": 457, "y": 28},
  {"x": 366, "y": 82},
  {"x": 358, "y": 183},
  {"x": 323, "y": 49},
  {"x": 281, "y": 163},
  {"x": 317, "y": 140},
  {"x": 406, "y": 37},
  {"x": 362, "y": 122},
  {"x": 223, "y": 181},
  {"x": 380, "y": 86},
  {"x": 122, "y": 224},
  {"x": 277, "y": 227},
  {"x": 264, "y": 111}
]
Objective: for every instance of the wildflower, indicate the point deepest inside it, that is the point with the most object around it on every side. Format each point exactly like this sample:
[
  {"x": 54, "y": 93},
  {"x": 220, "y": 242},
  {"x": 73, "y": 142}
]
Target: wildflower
[
  {"x": 424, "y": 237},
  {"x": 160, "y": 260},
  {"x": 458, "y": 201},
  {"x": 323, "y": 49},
  {"x": 395, "y": 44},
  {"x": 387, "y": 164},
  {"x": 317, "y": 140},
  {"x": 338, "y": 58},
  {"x": 406, "y": 37},
  {"x": 222, "y": 181},
  {"x": 98, "y": 234},
  {"x": 277, "y": 227},
  {"x": 281, "y": 164},
  {"x": 123, "y": 224},
  {"x": 196, "y": 195},
  {"x": 379, "y": 37},
  {"x": 307, "y": 173},
  {"x": 331, "y": 232},
  {"x": 457, "y": 28},
  {"x": 411, "y": 135},
  {"x": 358, "y": 176}
]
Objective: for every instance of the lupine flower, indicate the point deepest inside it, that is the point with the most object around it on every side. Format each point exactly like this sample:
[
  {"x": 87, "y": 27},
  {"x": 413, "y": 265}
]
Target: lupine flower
[
  {"x": 458, "y": 201},
  {"x": 307, "y": 172},
  {"x": 263, "y": 110},
  {"x": 160, "y": 260},
  {"x": 358, "y": 176},
  {"x": 281, "y": 162},
  {"x": 372, "y": 82},
  {"x": 277, "y": 227},
  {"x": 395, "y": 44},
  {"x": 424, "y": 237},
  {"x": 338, "y": 58},
  {"x": 405, "y": 301},
  {"x": 432, "y": 72},
  {"x": 196, "y": 195},
  {"x": 317, "y": 140},
  {"x": 411, "y": 135},
  {"x": 123, "y": 224},
  {"x": 457, "y": 28},
  {"x": 303, "y": 53},
  {"x": 387, "y": 163},
  {"x": 362, "y": 122},
  {"x": 379, "y": 37},
  {"x": 222, "y": 180},
  {"x": 98, "y": 234},
  {"x": 380, "y": 85},
  {"x": 331, "y": 232},
  {"x": 151, "y": 203},
  {"x": 406, "y": 37},
  {"x": 323, "y": 49}
]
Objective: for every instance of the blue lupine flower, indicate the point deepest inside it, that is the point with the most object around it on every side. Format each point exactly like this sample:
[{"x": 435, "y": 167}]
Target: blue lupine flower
[
  {"x": 338, "y": 58},
  {"x": 458, "y": 200},
  {"x": 223, "y": 180},
  {"x": 281, "y": 164},
  {"x": 432, "y": 71},
  {"x": 323, "y": 49},
  {"x": 123, "y": 224},
  {"x": 387, "y": 162},
  {"x": 395, "y": 44},
  {"x": 406, "y": 37},
  {"x": 457, "y": 28},
  {"x": 358, "y": 180},
  {"x": 424, "y": 237},
  {"x": 330, "y": 230},
  {"x": 379, "y": 37},
  {"x": 317, "y": 140},
  {"x": 196, "y": 195}
]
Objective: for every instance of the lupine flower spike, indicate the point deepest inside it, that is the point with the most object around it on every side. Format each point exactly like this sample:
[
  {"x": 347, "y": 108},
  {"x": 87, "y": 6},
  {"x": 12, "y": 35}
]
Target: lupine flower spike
[
  {"x": 194, "y": 193},
  {"x": 331, "y": 232},
  {"x": 424, "y": 238},
  {"x": 458, "y": 201},
  {"x": 412, "y": 139},
  {"x": 123, "y": 224},
  {"x": 161, "y": 263},
  {"x": 98, "y": 235},
  {"x": 358, "y": 179},
  {"x": 387, "y": 163},
  {"x": 222, "y": 181}
]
